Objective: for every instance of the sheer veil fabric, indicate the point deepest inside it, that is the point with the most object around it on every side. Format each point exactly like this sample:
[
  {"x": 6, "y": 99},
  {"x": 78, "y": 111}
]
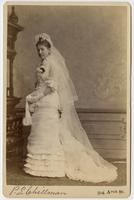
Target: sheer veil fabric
[
  {"x": 82, "y": 162},
  {"x": 71, "y": 123},
  {"x": 68, "y": 96}
]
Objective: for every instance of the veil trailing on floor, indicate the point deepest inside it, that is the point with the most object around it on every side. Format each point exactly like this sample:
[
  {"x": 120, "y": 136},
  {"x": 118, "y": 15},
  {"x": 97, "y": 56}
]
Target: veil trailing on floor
[
  {"x": 82, "y": 162},
  {"x": 69, "y": 118},
  {"x": 68, "y": 96}
]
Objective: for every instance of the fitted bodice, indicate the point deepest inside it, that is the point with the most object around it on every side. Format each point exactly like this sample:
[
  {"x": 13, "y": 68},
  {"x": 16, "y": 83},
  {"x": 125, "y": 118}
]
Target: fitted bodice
[{"x": 42, "y": 72}]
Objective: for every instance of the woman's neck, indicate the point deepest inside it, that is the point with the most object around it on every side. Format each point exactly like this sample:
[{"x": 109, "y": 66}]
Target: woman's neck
[{"x": 45, "y": 59}]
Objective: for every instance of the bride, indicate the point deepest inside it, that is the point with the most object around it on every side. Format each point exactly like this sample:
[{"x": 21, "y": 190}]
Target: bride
[{"x": 58, "y": 146}]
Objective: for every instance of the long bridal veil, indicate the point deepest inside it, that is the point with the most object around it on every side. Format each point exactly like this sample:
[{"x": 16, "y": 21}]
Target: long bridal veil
[
  {"x": 68, "y": 96},
  {"x": 72, "y": 130}
]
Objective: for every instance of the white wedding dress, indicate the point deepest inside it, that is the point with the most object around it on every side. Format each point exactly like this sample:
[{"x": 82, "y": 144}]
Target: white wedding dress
[{"x": 55, "y": 145}]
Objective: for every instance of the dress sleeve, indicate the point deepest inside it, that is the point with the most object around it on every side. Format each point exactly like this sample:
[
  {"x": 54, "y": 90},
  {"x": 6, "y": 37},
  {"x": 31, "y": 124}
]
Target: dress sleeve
[
  {"x": 34, "y": 96},
  {"x": 52, "y": 81}
]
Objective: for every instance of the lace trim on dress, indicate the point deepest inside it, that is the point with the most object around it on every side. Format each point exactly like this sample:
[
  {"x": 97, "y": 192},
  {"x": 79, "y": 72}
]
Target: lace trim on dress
[{"x": 46, "y": 166}]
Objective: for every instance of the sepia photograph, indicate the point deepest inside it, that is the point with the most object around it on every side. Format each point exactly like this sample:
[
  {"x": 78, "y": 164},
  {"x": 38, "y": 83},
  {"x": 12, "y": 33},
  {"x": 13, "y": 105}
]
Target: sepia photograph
[{"x": 67, "y": 100}]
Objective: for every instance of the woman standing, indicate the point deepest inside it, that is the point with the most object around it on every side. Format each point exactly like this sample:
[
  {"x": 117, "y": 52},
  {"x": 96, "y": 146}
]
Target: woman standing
[{"x": 58, "y": 146}]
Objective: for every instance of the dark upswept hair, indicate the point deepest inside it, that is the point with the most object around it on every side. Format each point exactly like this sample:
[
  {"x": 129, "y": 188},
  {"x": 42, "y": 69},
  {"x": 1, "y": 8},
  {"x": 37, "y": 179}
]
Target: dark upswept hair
[{"x": 43, "y": 42}]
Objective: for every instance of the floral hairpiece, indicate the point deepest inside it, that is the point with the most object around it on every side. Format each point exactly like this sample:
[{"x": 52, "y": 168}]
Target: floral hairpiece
[{"x": 43, "y": 37}]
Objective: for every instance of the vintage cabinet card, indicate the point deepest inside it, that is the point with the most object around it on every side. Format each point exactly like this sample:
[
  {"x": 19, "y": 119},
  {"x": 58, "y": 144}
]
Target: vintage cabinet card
[{"x": 66, "y": 99}]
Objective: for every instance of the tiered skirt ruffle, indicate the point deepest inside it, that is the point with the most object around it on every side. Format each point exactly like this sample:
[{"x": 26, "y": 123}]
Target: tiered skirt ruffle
[{"x": 46, "y": 165}]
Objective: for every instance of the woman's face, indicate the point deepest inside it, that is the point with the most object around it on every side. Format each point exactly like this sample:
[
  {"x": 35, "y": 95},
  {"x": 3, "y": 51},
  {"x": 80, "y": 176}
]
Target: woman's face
[{"x": 43, "y": 51}]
